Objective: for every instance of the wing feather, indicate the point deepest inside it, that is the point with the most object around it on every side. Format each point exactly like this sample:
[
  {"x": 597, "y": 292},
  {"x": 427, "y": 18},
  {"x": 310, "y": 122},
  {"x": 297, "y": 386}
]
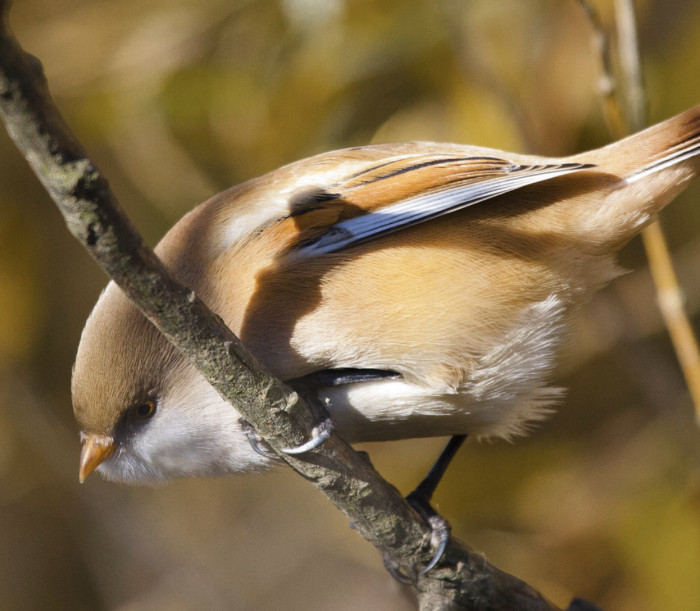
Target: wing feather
[{"x": 409, "y": 190}]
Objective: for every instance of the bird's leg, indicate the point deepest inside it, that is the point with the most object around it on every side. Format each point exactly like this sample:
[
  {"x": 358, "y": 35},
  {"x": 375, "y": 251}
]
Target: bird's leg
[
  {"x": 308, "y": 387},
  {"x": 309, "y": 391},
  {"x": 423, "y": 493},
  {"x": 420, "y": 498}
]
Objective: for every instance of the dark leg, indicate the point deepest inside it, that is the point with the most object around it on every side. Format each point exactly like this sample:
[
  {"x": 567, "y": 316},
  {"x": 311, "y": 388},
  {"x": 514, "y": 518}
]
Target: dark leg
[
  {"x": 419, "y": 499},
  {"x": 308, "y": 387},
  {"x": 425, "y": 490}
]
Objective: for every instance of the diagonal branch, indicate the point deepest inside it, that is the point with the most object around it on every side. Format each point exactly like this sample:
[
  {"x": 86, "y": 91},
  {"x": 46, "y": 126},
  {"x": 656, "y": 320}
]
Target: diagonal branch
[
  {"x": 97, "y": 221},
  {"x": 462, "y": 578}
]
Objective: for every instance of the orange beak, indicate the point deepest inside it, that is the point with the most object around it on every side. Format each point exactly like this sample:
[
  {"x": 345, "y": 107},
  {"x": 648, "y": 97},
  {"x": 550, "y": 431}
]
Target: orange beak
[{"x": 96, "y": 449}]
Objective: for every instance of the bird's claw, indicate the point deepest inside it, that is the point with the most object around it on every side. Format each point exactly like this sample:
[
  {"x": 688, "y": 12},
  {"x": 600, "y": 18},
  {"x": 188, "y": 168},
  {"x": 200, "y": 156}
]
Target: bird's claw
[
  {"x": 319, "y": 434},
  {"x": 255, "y": 440},
  {"x": 440, "y": 538},
  {"x": 441, "y": 532}
]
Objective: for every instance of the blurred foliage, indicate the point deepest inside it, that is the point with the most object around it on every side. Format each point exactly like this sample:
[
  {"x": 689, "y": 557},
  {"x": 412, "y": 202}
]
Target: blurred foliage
[{"x": 177, "y": 100}]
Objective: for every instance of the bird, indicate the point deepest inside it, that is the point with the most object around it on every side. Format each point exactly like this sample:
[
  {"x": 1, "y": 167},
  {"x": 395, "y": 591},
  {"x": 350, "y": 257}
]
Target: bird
[{"x": 413, "y": 290}]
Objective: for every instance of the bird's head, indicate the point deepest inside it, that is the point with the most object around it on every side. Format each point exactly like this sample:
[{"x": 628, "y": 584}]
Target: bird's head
[{"x": 146, "y": 415}]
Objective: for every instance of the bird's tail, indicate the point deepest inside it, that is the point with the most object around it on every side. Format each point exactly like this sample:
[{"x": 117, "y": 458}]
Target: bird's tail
[
  {"x": 656, "y": 148},
  {"x": 646, "y": 172},
  {"x": 672, "y": 142}
]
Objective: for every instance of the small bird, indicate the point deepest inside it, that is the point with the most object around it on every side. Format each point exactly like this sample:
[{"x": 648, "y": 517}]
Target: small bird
[{"x": 415, "y": 290}]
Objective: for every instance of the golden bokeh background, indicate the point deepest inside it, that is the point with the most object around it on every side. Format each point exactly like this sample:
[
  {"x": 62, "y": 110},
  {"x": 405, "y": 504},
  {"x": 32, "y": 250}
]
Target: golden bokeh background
[{"x": 177, "y": 100}]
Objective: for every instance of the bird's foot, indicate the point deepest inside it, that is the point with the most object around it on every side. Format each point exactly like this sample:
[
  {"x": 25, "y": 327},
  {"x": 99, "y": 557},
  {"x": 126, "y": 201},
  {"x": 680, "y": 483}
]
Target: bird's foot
[
  {"x": 256, "y": 441},
  {"x": 319, "y": 434},
  {"x": 440, "y": 538}
]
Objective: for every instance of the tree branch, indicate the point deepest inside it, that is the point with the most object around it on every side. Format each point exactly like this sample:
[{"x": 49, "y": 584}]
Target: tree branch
[{"x": 462, "y": 579}]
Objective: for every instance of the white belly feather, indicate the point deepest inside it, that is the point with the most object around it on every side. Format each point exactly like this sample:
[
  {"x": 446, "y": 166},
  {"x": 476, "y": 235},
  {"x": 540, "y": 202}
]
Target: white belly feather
[{"x": 503, "y": 390}]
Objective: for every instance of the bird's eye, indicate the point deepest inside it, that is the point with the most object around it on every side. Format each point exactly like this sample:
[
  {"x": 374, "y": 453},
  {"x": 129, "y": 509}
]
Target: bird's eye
[{"x": 145, "y": 410}]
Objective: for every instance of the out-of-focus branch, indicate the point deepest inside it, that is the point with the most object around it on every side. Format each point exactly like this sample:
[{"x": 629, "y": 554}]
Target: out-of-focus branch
[
  {"x": 462, "y": 579},
  {"x": 607, "y": 84},
  {"x": 632, "y": 99},
  {"x": 624, "y": 102}
]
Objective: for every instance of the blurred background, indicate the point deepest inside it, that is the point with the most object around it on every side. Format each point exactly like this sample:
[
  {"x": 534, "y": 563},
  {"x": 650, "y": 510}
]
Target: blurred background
[{"x": 177, "y": 100}]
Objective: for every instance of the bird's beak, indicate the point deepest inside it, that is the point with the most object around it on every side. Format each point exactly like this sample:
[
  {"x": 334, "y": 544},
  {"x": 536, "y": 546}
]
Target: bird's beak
[{"x": 96, "y": 449}]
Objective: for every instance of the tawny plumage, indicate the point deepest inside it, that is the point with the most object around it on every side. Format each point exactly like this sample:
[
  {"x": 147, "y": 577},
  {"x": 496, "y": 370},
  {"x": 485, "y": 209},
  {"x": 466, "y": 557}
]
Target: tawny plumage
[{"x": 421, "y": 289}]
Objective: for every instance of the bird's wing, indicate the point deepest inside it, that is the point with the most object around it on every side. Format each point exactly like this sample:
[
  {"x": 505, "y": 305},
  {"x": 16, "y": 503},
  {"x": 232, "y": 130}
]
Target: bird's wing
[{"x": 407, "y": 190}]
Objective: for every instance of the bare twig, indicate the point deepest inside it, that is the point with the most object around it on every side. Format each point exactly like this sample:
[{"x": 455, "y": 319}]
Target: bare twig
[
  {"x": 607, "y": 84},
  {"x": 624, "y": 102},
  {"x": 669, "y": 293},
  {"x": 633, "y": 101},
  {"x": 462, "y": 579}
]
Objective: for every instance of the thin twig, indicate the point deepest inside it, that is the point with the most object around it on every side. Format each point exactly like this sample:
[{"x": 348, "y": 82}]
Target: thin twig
[
  {"x": 607, "y": 84},
  {"x": 633, "y": 96},
  {"x": 624, "y": 103}
]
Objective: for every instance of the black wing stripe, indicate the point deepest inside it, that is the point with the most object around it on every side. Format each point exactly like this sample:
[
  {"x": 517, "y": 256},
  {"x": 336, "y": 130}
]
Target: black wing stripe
[{"x": 430, "y": 204}]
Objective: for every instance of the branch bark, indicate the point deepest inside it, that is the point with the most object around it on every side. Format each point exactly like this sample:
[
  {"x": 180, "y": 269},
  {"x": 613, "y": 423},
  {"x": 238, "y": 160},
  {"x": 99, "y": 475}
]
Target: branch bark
[{"x": 462, "y": 579}]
